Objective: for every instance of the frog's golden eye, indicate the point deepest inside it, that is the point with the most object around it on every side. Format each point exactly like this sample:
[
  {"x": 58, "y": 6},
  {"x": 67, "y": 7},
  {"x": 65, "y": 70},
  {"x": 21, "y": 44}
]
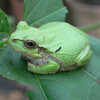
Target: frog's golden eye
[{"x": 30, "y": 44}]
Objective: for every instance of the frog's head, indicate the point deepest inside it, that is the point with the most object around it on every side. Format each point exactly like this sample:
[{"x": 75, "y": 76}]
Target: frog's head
[{"x": 25, "y": 40}]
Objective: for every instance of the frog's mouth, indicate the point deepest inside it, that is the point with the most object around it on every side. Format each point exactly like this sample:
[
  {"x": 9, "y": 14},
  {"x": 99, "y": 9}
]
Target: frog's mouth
[{"x": 40, "y": 52}]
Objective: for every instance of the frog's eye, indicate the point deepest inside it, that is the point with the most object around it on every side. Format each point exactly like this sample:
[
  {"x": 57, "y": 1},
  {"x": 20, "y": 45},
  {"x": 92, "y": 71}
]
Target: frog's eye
[{"x": 30, "y": 44}]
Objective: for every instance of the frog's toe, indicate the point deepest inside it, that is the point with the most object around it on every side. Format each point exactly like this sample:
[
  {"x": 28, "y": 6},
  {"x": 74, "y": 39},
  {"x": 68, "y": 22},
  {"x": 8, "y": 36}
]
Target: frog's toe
[{"x": 84, "y": 56}]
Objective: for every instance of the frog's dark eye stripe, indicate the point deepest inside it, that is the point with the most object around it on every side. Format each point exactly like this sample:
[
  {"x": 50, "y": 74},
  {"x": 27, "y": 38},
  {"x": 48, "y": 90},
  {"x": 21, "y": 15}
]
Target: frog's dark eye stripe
[
  {"x": 58, "y": 49},
  {"x": 15, "y": 40},
  {"x": 30, "y": 44}
]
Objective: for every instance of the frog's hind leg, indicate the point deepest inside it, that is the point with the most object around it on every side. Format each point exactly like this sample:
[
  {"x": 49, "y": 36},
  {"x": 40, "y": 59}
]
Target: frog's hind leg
[
  {"x": 84, "y": 56},
  {"x": 50, "y": 68}
]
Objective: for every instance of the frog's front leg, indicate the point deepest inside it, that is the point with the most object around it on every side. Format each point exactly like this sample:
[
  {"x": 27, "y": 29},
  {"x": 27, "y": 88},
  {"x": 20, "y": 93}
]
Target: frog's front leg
[
  {"x": 51, "y": 67},
  {"x": 84, "y": 56}
]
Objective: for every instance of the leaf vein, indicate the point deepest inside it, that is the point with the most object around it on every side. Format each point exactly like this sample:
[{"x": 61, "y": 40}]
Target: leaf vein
[
  {"x": 89, "y": 74},
  {"x": 89, "y": 88},
  {"x": 31, "y": 13},
  {"x": 44, "y": 17}
]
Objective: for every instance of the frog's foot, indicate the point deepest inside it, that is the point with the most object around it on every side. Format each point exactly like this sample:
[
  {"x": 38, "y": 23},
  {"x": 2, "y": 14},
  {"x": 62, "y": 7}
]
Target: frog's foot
[
  {"x": 84, "y": 56},
  {"x": 51, "y": 67}
]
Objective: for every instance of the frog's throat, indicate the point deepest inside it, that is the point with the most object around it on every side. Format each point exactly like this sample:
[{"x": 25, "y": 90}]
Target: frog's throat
[{"x": 41, "y": 60}]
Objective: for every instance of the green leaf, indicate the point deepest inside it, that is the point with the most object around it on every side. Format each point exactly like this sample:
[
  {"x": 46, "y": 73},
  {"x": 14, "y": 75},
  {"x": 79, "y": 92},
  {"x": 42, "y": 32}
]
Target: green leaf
[
  {"x": 38, "y": 12},
  {"x": 4, "y": 25},
  {"x": 80, "y": 84}
]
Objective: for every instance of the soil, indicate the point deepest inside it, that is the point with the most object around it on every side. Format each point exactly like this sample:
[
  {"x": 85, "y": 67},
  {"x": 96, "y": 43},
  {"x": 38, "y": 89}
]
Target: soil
[{"x": 10, "y": 90}]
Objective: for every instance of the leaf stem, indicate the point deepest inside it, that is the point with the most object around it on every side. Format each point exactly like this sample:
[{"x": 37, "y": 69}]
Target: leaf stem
[{"x": 90, "y": 27}]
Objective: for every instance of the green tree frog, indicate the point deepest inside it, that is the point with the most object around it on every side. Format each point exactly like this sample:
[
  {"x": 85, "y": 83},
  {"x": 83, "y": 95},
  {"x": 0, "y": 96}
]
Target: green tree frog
[{"x": 53, "y": 47}]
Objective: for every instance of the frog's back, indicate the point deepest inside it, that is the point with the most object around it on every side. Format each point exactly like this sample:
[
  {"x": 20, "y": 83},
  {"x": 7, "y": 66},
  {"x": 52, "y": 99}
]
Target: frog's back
[
  {"x": 61, "y": 29},
  {"x": 64, "y": 41}
]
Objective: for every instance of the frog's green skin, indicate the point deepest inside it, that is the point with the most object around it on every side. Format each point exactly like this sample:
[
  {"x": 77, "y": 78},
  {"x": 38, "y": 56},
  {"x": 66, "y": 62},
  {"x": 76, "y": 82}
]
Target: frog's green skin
[{"x": 60, "y": 47}]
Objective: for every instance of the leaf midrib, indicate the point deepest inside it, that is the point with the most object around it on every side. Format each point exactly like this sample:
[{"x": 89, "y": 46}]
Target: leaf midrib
[
  {"x": 44, "y": 17},
  {"x": 40, "y": 87},
  {"x": 28, "y": 15}
]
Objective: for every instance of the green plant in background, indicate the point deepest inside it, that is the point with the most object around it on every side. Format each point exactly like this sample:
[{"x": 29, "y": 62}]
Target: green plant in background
[
  {"x": 4, "y": 28},
  {"x": 80, "y": 84}
]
